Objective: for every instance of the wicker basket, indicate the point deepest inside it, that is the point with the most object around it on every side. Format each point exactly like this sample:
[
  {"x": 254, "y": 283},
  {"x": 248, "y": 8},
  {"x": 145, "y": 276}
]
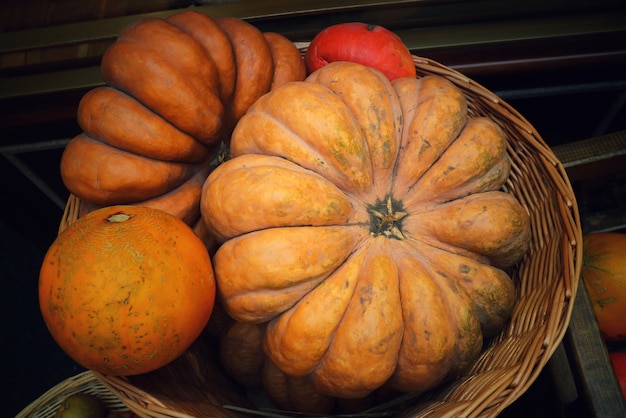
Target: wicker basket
[
  {"x": 546, "y": 281},
  {"x": 85, "y": 382}
]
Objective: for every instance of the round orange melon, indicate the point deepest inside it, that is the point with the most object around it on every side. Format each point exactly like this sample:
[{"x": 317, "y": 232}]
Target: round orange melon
[
  {"x": 604, "y": 274},
  {"x": 125, "y": 290}
]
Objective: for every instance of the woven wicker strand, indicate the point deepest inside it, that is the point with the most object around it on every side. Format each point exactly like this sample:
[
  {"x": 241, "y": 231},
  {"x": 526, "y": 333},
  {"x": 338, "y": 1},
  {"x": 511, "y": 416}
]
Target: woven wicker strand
[
  {"x": 85, "y": 382},
  {"x": 546, "y": 281}
]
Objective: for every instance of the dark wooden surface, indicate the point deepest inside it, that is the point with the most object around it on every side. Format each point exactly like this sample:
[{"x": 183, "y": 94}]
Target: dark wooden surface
[
  {"x": 582, "y": 368},
  {"x": 591, "y": 367}
]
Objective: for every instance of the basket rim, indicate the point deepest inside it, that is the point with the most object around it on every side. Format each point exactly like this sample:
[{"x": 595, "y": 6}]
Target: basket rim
[
  {"x": 511, "y": 382},
  {"x": 83, "y": 382}
]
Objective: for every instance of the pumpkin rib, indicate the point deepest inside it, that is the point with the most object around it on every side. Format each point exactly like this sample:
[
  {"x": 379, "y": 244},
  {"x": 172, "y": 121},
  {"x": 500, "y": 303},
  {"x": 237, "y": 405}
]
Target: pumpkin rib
[
  {"x": 469, "y": 332},
  {"x": 363, "y": 354},
  {"x": 275, "y": 384},
  {"x": 288, "y": 62},
  {"x": 150, "y": 78},
  {"x": 243, "y": 146},
  {"x": 421, "y": 363},
  {"x": 297, "y": 340},
  {"x": 372, "y": 100},
  {"x": 176, "y": 47},
  {"x": 492, "y": 224},
  {"x": 346, "y": 162},
  {"x": 432, "y": 104},
  {"x": 251, "y": 144},
  {"x": 240, "y": 349},
  {"x": 117, "y": 119},
  {"x": 92, "y": 171},
  {"x": 215, "y": 44},
  {"x": 244, "y": 309},
  {"x": 328, "y": 248},
  {"x": 253, "y": 65},
  {"x": 183, "y": 201},
  {"x": 294, "y": 393},
  {"x": 490, "y": 289},
  {"x": 461, "y": 313},
  {"x": 285, "y": 194},
  {"x": 466, "y": 165},
  {"x": 209, "y": 240}
]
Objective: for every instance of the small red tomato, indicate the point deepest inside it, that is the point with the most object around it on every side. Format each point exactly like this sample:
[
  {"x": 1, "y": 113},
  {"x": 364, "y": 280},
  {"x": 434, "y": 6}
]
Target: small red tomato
[
  {"x": 371, "y": 45},
  {"x": 618, "y": 359}
]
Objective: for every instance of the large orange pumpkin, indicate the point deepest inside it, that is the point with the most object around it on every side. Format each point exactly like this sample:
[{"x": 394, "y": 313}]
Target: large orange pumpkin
[
  {"x": 125, "y": 290},
  {"x": 174, "y": 89},
  {"x": 364, "y": 220},
  {"x": 604, "y": 274}
]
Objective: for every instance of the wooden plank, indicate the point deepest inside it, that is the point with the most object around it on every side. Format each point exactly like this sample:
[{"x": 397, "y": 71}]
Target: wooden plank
[
  {"x": 19, "y": 15},
  {"x": 590, "y": 150},
  {"x": 605, "y": 221},
  {"x": 292, "y": 16},
  {"x": 590, "y": 362},
  {"x": 246, "y": 9},
  {"x": 466, "y": 36},
  {"x": 592, "y": 164},
  {"x": 49, "y": 83},
  {"x": 597, "y": 388}
]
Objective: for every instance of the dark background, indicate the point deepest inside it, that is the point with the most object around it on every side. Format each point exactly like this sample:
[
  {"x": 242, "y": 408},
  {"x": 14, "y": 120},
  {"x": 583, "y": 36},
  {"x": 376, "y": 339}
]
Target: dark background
[{"x": 570, "y": 84}]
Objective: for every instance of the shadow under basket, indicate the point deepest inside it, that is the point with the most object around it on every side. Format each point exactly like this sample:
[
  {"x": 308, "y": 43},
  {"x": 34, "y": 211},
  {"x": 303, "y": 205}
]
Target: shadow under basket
[
  {"x": 546, "y": 280},
  {"x": 84, "y": 383}
]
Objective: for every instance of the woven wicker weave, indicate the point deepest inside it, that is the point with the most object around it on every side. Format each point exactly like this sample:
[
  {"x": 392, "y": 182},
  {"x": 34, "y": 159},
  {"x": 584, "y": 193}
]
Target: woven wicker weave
[
  {"x": 546, "y": 280},
  {"x": 86, "y": 382}
]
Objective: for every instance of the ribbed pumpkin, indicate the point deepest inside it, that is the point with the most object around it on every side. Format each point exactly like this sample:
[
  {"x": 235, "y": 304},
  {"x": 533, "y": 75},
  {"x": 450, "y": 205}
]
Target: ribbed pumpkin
[
  {"x": 174, "y": 89},
  {"x": 365, "y": 221}
]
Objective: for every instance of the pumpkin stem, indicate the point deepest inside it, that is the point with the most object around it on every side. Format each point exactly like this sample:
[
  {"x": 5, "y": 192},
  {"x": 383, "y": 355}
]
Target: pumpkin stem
[
  {"x": 118, "y": 217},
  {"x": 386, "y": 218},
  {"x": 222, "y": 155}
]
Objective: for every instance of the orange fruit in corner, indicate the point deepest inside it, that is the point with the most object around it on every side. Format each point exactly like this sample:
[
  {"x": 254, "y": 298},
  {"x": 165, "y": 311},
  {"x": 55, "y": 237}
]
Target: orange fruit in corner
[
  {"x": 125, "y": 290},
  {"x": 604, "y": 275},
  {"x": 618, "y": 361}
]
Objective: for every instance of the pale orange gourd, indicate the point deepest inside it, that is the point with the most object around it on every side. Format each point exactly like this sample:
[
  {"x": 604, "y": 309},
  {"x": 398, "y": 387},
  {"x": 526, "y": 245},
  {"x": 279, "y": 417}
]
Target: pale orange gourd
[{"x": 365, "y": 221}]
